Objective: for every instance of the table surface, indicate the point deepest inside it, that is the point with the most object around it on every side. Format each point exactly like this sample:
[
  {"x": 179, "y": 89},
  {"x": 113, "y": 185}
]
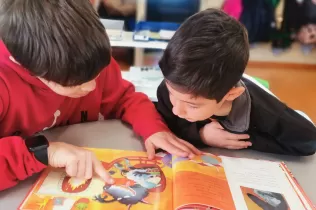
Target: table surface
[{"x": 116, "y": 135}]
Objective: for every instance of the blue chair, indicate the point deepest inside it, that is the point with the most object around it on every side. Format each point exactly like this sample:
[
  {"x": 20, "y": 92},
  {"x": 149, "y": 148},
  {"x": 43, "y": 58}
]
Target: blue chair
[{"x": 171, "y": 10}]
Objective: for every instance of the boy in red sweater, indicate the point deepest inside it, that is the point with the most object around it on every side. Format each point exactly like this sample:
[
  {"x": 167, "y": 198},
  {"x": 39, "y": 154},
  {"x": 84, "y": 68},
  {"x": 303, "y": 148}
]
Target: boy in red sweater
[{"x": 56, "y": 69}]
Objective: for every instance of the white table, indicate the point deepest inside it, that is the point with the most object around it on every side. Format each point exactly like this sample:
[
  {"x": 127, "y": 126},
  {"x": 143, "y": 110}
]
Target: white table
[{"x": 115, "y": 135}]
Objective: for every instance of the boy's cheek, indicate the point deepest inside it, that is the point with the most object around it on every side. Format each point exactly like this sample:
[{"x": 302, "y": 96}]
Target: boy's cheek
[{"x": 203, "y": 115}]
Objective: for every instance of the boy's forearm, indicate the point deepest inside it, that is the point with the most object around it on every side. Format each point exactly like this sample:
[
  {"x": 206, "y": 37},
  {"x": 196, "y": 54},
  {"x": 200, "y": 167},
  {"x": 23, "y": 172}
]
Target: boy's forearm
[
  {"x": 278, "y": 145},
  {"x": 16, "y": 162},
  {"x": 201, "y": 134},
  {"x": 295, "y": 133}
]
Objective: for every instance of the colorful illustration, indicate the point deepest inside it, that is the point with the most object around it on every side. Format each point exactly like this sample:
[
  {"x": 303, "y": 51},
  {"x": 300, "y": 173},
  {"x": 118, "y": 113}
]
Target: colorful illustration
[
  {"x": 264, "y": 200},
  {"x": 125, "y": 195},
  {"x": 166, "y": 159},
  {"x": 208, "y": 160},
  {"x": 138, "y": 184}
]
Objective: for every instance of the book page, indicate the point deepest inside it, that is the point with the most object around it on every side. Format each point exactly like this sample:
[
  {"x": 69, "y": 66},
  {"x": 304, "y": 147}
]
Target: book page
[
  {"x": 260, "y": 185},
  {"x": 139, "y": 184},
  {"x": 200, "y": 184}
]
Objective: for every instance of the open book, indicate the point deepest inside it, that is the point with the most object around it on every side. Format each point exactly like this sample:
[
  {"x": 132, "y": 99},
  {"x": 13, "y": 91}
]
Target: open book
[{"x": 206, "y": 182}]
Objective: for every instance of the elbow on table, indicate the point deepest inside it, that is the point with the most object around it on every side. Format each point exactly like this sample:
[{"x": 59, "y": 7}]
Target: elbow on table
[{"x": 307, "y": 148}]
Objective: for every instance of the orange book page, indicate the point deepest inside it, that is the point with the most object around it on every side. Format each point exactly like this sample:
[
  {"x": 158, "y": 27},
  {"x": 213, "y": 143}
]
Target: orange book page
[
  {"x": 201, "y": 184},
  {"x": 139, "y": 184}
]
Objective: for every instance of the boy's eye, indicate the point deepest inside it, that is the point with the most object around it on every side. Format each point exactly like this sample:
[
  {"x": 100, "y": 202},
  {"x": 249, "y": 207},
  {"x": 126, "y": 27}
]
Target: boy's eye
[{"x": 193, "y": 107}]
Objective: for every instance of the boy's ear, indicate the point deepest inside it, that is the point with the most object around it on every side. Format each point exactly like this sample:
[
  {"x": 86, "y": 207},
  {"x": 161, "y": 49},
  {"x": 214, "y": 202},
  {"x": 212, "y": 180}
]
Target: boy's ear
[
  {"x": 14, "y": 61},
  {"x": 234, "y": 93}
]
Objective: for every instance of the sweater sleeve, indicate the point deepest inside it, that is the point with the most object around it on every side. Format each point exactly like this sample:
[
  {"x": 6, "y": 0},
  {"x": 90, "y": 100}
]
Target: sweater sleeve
[
  {"x": 277, "y": 128},
  {"x": 16, "y": 162},
  {"x": 290, "y": 134},
  {"x": 132, "y": 107}
]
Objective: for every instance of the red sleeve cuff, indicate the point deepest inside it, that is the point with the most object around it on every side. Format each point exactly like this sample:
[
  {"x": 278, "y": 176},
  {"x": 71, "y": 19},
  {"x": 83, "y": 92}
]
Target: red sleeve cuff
[
  {"x": 16, "y": 162},
  {"x": 149, "y": 128}
]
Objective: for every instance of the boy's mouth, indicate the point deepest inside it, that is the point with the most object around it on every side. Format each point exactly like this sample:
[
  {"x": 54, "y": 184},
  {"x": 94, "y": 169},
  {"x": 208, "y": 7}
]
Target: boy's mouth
[
  {"x": 79, "y": 95},
  {"x": 188, "y": 119}
]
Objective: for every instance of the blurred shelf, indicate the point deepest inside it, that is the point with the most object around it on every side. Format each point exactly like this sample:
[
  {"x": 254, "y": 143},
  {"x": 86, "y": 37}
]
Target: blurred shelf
[
  {"x": 128, "y": 41},
  {"x": 262, "y": 52}
]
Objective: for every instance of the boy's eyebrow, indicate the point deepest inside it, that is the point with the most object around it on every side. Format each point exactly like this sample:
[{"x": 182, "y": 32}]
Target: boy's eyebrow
[
  {"x": 191, "y": 103},
  {"x": 186, "y": 101}
]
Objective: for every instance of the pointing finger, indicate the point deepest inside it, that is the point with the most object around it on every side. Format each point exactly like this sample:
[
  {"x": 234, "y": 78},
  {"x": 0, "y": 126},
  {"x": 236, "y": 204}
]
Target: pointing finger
[
  {"x": 150, "y": 148},
  {"x": 100, "y": 171},
  {"x": 88, "y": 172}
]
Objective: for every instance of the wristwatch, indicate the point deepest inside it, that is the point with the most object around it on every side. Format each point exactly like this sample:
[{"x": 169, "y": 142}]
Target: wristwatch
[{"x": 38, "y": 146}]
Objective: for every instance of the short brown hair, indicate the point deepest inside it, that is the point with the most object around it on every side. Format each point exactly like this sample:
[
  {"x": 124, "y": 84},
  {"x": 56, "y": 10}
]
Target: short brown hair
[
  {"x": 61, "y": 41},
  {"x": 207, "y": 55}
]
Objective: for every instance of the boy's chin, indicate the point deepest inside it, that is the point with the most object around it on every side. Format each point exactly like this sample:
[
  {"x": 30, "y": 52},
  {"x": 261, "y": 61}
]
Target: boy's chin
[
  {"x": 191, "y": 120},
  {"x": 75, "y": 95},
  {"x": 195, "y": 120}
]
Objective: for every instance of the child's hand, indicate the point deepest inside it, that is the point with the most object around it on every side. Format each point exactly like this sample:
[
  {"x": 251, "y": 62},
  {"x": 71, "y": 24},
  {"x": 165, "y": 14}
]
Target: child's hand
[
  {"x": 213, "y": 134},
  {"x": 77, "y": 162},
  {"x": 170, "y": 143}
]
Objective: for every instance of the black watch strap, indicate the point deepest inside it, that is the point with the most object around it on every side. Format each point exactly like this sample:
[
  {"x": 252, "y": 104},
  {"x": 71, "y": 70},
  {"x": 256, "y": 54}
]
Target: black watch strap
[
  {"x": 41, "y": 156},
  {"x": 38, "y": 146}
]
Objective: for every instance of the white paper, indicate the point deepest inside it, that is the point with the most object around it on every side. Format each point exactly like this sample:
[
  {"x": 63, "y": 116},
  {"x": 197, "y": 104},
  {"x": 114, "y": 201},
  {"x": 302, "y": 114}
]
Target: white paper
[{"x": 263, "y": 182}]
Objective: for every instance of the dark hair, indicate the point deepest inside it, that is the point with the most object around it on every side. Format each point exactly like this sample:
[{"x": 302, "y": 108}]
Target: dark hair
[
  {"x": 207, "y": 55},
  {"x": 61, "y": 41}
]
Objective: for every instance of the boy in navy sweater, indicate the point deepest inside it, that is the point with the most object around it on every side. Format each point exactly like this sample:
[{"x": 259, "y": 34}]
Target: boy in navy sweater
[{"x": 206, "y": 100}]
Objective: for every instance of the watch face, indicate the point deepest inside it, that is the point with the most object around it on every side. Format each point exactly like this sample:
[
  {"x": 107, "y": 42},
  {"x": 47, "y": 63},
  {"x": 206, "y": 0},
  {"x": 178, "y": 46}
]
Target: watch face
[{"x": 36, "y": 143}]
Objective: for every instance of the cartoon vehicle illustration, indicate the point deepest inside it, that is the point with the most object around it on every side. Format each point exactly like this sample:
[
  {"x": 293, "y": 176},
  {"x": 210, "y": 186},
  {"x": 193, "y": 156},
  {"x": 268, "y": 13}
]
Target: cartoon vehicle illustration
[{"x": 140, "y": 180}]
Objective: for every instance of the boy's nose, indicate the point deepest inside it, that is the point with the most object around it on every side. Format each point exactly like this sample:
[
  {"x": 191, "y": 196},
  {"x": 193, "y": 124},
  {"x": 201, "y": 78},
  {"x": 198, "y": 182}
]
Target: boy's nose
[{"x": 89, "y": 86}]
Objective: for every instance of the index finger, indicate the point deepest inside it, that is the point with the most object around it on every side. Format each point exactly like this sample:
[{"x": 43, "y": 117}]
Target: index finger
[
  {"x": 193, "y": 148},
  {"x": 234, "y": 143},
  {"x": 172, "y": 149},
  {"x": 181, "y": 145},
  {"x": 232, "y": 136},
  {"x": 150, "y": 150},
  {"x": 100, "y": 171}
]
